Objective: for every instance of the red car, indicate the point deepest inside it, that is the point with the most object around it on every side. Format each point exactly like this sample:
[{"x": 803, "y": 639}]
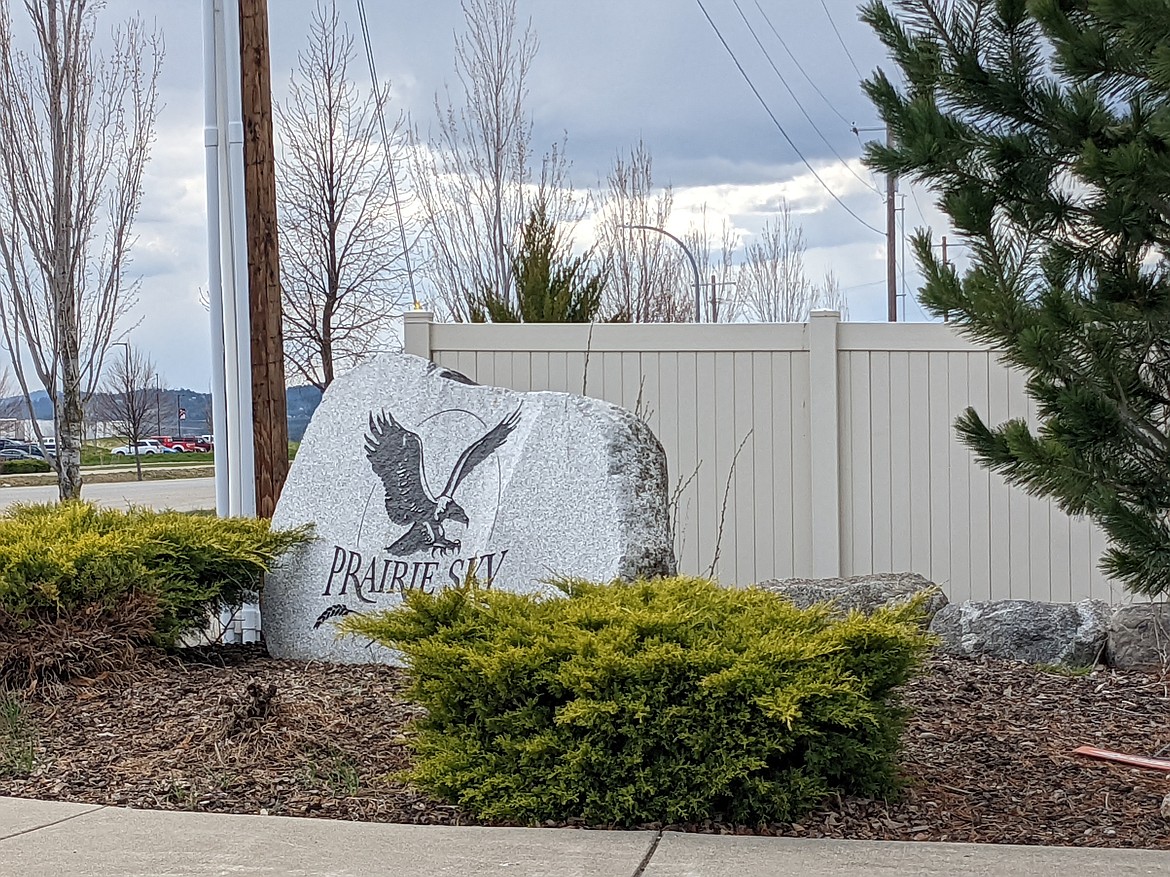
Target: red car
[{"x": 183, "y": 444}]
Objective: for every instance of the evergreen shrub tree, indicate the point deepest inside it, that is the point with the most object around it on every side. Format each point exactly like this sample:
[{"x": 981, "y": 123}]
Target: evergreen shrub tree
[
  {"x": 668, "y": 701},
  {"x": 1043, "y": 126},
  {"x": 551, "y": 284}
]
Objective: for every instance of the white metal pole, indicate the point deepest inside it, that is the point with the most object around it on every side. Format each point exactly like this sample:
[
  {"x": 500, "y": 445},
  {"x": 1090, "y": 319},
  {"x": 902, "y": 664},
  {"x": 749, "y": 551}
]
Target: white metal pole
[
  {"x": 245, "y": 464},
  {"x": 231, "y": 445},
  {"x": 211, "y": 144}
]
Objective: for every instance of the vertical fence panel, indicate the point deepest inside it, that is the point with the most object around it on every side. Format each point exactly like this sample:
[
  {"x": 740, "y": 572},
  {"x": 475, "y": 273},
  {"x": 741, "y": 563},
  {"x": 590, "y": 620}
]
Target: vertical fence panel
[
  {"x": 902, "y": 464},
  {"x": 859, "y": 507},
  {"x": 1019, "y": 582},
  {"x": 707, "y": 426},
  {"x": 959, "y": 471},
  {"x": 771, "y": 526},
  {"x": 880, "y": 461},
  {"x": 687, "y": 443},
  {"x": 940, "y": 464},
  {"x": 800, "y": 462},
  {"x": 979, "y": 482},
  {"x": 918, "y": 415},
  {"x": 852, "y": 464},
  {"x": 745, "y": 483},
  {"x": 1002, "y": 534}
]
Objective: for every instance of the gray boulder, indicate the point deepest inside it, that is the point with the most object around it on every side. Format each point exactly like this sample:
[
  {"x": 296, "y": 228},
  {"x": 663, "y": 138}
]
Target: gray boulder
[
  {"x": 864, "y": 593},
  {"x": 1139, "y": 636},
  {"x": 416, "y": 478},
  {"x": 1065, "y": 634}
]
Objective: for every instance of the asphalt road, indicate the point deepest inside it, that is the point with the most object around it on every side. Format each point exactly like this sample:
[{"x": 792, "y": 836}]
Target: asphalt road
[{"x": 181, "y": 494}]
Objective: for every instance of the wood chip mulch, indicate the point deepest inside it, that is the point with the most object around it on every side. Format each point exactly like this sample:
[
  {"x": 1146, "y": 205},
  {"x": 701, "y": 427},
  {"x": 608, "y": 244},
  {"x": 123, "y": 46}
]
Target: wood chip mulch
[{"x": 987, "y": 754}]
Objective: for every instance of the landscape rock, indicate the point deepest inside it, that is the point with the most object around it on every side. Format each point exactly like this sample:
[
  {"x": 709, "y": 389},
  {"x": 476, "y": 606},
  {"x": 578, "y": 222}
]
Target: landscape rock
[
  {"x": 1060, "y": 634},
  {"x": 865, "y": 593},
  {"x": 415, "y": 477},
  {"x": 1139, "y": 636}
]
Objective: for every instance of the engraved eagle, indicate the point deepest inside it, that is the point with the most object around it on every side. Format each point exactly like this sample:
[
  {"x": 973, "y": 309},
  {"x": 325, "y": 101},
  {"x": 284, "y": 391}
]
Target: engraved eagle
[{"x": 396, "y": 456}]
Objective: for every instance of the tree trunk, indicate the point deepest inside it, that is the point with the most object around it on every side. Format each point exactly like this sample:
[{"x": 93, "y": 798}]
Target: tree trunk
[
  {"x": 69, "y": 436},
  {"x": 138, "y": 461}
]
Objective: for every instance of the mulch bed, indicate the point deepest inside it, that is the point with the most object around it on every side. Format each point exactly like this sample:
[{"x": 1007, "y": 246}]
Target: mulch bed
[{"x": 987, "y": 754}]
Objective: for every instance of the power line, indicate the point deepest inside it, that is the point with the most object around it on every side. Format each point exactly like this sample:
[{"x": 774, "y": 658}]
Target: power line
[
  {"x": 776, "y": 122},
  {"x": 361, "y": 8},
  {"x": 808, "y": 78},
  {"x": 917, "y": 206},
  {"x": 796, "y": 100},
  {"x": 848, "y": 54}
]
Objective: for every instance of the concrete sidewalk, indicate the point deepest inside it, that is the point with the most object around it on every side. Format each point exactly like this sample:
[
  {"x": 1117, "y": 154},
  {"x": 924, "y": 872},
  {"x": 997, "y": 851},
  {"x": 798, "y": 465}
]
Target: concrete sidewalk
[{"x": 40, "y": 838}]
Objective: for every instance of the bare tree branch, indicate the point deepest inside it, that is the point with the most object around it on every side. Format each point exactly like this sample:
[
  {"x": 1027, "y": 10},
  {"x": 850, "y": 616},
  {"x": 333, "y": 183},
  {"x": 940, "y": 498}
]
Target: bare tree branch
[
  {"x": 474, "y": 173},
  {"x": 131, "y": 400},
  {"x": 342, "y": 278},
  {"x": 646, "y": 280},
  {"x": 76, "y": 129},
  {"x": 722, "y": 302}
]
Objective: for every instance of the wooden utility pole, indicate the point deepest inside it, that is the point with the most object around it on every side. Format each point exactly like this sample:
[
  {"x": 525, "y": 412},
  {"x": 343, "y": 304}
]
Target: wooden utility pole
[
  {"x": 269, "y": 405},
  {"x": 891, "y": 240}
]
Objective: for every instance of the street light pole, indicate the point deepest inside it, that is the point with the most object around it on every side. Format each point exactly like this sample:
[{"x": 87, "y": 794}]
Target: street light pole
[{"x": 694, "y": 266}]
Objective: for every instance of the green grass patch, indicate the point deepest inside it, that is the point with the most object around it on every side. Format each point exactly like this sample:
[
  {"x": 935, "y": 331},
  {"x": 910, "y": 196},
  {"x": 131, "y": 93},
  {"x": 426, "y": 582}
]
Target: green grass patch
[
  {"x": 17, "y": 737},
  {"x": 1062, "y": 670},
  {"x": 92, "y": 455},
  {"x": 668, "y": 701}
]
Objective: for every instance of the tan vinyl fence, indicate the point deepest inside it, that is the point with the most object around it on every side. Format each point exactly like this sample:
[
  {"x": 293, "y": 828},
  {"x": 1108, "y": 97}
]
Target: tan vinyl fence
[{"x": 810, "y": 450}]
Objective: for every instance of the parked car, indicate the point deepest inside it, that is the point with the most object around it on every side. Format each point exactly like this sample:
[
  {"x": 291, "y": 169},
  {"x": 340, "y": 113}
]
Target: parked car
[
  {"x": 144, "y": 448},
  {"x": 14, "y": 454},
  {"x": 180, "y": 444}
]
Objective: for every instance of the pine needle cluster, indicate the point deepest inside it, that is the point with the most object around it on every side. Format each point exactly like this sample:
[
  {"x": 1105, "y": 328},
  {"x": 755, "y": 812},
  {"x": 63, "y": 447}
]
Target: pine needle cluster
[{"x": 1043, "y": 127}]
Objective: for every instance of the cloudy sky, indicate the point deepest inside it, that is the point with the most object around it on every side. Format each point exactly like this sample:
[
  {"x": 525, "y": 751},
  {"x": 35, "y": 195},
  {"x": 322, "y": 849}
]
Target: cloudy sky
[{"x": 608, "y": 72}]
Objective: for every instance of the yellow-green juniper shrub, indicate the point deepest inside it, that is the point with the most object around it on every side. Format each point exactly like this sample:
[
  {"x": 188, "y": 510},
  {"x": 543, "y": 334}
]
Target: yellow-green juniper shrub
[
  {"x": 666, "y": 701},
  {"x": 72, "y": 559}
]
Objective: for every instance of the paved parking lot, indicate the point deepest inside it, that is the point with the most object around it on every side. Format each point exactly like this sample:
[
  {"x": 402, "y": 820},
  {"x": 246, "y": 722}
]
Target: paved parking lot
[{"x": 181, "y": 494}]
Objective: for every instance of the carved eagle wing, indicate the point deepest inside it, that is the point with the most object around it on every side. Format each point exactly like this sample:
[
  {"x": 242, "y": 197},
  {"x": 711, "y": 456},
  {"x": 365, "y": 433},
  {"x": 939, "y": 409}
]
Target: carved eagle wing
[
  {"x": 483, "y": 448},
  {"x": 396, "y": 456}
]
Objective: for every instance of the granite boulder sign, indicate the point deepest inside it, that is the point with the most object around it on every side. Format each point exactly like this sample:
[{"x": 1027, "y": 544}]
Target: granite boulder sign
[{"x": 415, "y": 478}]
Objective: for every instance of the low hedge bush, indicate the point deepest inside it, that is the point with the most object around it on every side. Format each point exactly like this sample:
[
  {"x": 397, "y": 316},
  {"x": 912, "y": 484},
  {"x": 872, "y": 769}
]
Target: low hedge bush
[
  {"x": 668, "y": 701},
  {"x": 24, "y": 467},
  {"x": 81, "y": 587}
]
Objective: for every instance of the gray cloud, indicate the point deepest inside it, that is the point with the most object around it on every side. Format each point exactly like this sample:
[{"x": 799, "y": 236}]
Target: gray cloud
[{"x": 608, "y": 72}]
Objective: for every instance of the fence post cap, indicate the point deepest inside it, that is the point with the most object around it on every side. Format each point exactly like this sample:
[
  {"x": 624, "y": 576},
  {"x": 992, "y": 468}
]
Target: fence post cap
[
  {"x": 418, "y": 317},
  {"x": 824, "y": 315}
]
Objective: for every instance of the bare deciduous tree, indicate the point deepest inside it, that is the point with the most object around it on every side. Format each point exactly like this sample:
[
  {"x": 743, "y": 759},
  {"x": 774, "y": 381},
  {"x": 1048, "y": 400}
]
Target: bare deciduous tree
[
  {"x": 830, "y": 295},
  {"x": 474, "y": 173},
  {"x": 131, "y": 397},
  {"x": 342, "y": 275},
  {"x": 76, "y": 129},
  {"x": 646, "y": 280},
  {"x": 722, "y": 302},
  {"x": 772, "y": 278}
]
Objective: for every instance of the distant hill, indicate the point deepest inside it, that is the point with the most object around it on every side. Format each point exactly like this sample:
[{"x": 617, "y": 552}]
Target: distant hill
[{"x": 302, "y": 402}]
